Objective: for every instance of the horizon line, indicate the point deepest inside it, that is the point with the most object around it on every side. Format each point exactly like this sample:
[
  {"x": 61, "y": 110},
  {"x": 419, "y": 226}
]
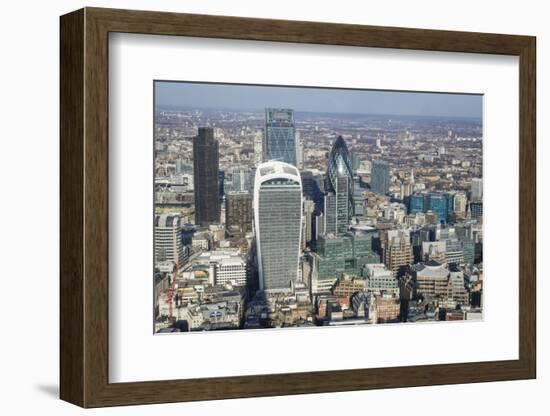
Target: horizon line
[{"x": 250, "y": 110}]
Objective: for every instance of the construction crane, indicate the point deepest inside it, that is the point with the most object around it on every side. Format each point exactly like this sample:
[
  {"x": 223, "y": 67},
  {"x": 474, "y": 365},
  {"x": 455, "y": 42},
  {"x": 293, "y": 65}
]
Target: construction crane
[{"x": 170, "y": 296}]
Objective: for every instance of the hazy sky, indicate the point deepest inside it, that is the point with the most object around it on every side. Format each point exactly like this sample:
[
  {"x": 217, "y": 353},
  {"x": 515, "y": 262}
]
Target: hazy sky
[{"x": 252, "y": 97}]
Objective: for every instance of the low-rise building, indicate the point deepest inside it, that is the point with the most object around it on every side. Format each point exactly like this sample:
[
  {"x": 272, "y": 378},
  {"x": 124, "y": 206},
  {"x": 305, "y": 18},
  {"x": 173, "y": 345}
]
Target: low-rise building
[
  {"x": 380, "y": 279},
  {"x": 347, "y": 285},
  {"x": 433, "y": 280},
  {"x": 227, "y": 266},
  {"x": 387, "y": 307},
  {"x": 202, "y": 240}
]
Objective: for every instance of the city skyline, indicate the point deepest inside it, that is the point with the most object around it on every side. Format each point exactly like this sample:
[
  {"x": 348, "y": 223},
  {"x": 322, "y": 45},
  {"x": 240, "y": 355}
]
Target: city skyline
[
  {"x": 215, "y": 96},
  {"x": 266, "y": 221}
]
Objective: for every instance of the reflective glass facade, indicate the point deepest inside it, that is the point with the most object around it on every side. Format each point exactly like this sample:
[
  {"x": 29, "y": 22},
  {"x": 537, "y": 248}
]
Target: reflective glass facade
[
  {"x": 344, "y": 209},
  {"x": 280, "y": 138},
  {"x": 340, "y": 187},
  {"x": 339, "y": 166},
  {"x": 344, "y": 254},
  {"x": 416, "y": 204},
  {"x": 380, "y": 177},
  {"x": 330, "y": 214},
  {"x": 440, "y": 203}
]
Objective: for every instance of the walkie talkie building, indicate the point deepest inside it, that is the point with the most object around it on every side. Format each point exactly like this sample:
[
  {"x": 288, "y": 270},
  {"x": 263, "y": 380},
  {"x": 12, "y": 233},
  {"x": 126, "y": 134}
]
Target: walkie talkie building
[{"x": 278, "y": 224}]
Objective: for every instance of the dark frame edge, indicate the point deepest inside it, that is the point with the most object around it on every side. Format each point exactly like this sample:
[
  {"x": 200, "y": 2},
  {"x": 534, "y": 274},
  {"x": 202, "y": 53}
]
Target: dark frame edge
[
  {"x": 528, "y": 207},
  {"x": 71, "y": 99}
]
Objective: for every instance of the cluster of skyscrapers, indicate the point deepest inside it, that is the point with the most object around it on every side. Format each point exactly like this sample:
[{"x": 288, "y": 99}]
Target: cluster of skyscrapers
[{"x": 274, "y": 243}]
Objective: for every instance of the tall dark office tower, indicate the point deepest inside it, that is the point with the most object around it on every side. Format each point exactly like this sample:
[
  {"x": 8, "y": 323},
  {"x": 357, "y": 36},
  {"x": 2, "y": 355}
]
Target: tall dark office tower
[
  {"x": 339, "y": 187},
  {"x": 313, "y": 187},
  {"x": 278, "y": 221},
  {"x": 205, "y": 173},
  {"x": 280, "y": 137},
  {"x": 380, "y": 177}
]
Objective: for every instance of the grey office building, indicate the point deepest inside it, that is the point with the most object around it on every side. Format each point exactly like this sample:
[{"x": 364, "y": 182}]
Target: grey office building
[
  {"x": 280, "y": 137},
  {"x": 205, "y": 174},
  {"x": 358, "y": 201},
  {"x": 278, "y": 224},
  {"x": 380, "y": 177},
  {"x": 238, "y": 180}
]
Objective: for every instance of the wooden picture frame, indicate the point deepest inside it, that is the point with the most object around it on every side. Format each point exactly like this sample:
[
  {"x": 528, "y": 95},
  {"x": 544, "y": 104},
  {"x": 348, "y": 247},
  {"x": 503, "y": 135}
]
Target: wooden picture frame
[{"x": 84, "y": 207}]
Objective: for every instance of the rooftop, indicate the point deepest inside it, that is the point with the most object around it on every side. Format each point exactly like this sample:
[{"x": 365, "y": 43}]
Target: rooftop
[{"x": 273, "y": 167}]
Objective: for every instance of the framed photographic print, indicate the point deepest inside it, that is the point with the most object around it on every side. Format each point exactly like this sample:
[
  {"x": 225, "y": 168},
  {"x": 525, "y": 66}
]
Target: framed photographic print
[{"x": 255, "y": 207}]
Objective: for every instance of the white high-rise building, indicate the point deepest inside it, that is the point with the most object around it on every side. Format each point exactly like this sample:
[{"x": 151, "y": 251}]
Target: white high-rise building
[
  {"x": 299, "y": 150},
  {"x": 258, "y": 147},
  {"x": 477, "y": 189},
  {"x": 278, "y": 224},
  {"x": 460, "y": 203},
  {"x": 168, "y": 239}
]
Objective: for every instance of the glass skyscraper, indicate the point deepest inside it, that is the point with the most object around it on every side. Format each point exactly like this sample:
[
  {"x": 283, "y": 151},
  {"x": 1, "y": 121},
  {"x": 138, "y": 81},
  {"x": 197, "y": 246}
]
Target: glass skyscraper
[
  {"x": 358, "y": 201},
  {"x": 313, "y": 186},
  {"x": 205, "y": 177},
  {"x": 329, "y": 209},
  {"x": 344, "y": 209},
  {"x": 440, "y": 203},
  {"x": 416, "y": 203},
  {"x": 347, "y": 253},
  {"x": 340, "y": 188},
  {"x": 278, "y": 224},
  {"x": 380, "y": 177},
  {"x": 280, "y": 137}
]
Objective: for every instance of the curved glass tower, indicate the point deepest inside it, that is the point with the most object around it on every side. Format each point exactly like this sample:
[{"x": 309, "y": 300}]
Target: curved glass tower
[
  {"x": 340, "y": 188},
  {"x": 278, "y": 224}
]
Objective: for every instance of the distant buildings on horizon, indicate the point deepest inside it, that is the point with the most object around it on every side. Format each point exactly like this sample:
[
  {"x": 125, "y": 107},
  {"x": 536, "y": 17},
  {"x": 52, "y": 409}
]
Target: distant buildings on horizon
[{"x": 302, "y": 224}]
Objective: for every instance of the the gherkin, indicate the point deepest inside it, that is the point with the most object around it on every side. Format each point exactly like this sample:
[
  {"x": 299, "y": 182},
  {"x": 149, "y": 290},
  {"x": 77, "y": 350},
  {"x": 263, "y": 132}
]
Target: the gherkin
[{"x": 340, "y": 184}]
